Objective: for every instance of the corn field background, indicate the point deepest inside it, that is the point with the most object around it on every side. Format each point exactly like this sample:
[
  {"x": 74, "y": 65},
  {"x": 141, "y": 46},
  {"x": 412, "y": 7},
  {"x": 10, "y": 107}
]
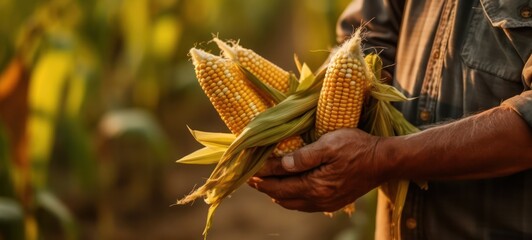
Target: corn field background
[{"x": 95, "y": 99}]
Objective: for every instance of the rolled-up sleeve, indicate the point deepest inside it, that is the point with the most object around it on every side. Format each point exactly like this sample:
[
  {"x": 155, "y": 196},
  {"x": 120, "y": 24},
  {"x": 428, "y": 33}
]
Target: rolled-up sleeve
[
  {"x": 522, "y": 103},
  {"x": 382, "y": 18}
]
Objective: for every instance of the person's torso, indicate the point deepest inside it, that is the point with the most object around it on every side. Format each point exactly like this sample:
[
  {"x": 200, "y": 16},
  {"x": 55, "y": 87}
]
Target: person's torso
[{"x": 457, "y": 58}]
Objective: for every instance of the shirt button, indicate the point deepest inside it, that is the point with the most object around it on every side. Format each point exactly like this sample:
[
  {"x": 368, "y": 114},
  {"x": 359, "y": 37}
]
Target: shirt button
[
  {"x": 526, "y": 12},
  {"x": 411, "y": 223},
  {"x": 424, "y": 115},
  {"x": 436, "y": 54}
]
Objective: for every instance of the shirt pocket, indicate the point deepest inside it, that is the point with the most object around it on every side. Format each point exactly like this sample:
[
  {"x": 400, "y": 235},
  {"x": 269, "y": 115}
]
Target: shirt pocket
[{"x": 498, "y": 40}]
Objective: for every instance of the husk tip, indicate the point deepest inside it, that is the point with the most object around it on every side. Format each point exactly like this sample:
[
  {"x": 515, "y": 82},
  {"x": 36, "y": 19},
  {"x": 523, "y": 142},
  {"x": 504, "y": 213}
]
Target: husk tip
[
  {"x": 354, "y": 43},
  {"x": 227, "y": 50},
  {"x": 197, "y": 55},
  {"x": 195, "y": 194}
]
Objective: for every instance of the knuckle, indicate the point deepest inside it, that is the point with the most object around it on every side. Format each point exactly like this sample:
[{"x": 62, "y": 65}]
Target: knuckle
[{"x": 329, "y": 143}]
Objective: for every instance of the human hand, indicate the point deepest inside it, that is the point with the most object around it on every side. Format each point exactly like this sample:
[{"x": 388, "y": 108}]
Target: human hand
[{"x": 323, "y": 176}]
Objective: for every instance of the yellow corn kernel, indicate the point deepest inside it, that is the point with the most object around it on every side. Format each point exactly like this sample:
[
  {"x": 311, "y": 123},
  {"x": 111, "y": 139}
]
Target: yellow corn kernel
[
  {"x": 233, "y": 97},
  {"x": 345, "y": 87},
  {"x": 288, "y": 145},
  {"x": 265, "y": 70}
]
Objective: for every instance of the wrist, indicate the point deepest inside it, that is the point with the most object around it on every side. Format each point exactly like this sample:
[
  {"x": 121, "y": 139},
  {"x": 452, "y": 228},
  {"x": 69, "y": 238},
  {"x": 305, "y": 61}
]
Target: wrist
[{"x": 389, "y": 158}]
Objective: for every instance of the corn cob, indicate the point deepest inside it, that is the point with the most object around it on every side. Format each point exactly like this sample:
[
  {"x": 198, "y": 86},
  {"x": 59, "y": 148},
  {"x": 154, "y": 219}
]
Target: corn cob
[
  {"x": 265, "y": 70},
  {"x": 228, "y": 90},
  {"x": 288, "y": 145},
  {"x": 233, "y": 97},
  {"x": 347, "y": 82},
  {"x": 268, "y": 73},
  {"x": 345, "y": 87},
  {"x": 344, "y": 90}
]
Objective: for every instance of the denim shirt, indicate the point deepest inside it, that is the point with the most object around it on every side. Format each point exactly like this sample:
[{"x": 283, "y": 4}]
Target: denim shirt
[{"x": 456, "y": 58}]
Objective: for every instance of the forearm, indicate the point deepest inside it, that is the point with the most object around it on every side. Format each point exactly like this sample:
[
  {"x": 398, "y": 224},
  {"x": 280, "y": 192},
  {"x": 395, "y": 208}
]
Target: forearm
[{"x": 494, "y": 143}]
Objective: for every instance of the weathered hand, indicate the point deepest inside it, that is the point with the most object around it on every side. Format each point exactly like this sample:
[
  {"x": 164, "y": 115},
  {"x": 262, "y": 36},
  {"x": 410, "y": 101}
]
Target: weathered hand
[{"x": 323, "y": 176}]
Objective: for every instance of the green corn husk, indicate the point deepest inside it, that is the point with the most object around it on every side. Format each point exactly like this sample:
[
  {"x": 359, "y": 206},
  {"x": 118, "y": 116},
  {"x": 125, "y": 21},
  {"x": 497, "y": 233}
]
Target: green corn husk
[
  {"x": 385, "y": 120},
  {"x": 239, "y": 157},
  {"x": 215, "y": 146},
  {"x": 244, "y": 156}
]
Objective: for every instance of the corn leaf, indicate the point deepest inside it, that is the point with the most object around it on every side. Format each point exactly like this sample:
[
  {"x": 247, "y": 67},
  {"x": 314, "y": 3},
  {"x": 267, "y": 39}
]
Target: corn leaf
[
  {"x": 117, "y": 123},
  {"x": 77, "y": 141},
  {"x": 10, "y": 77},
  {"x": 253, "y": 146},
  {"x": 273, "y": 93},
  {"x": 215, "y": 146},
  {"x": 75, "y": 135},
  {"x": 213, "y": 140},
  {"x": 298, "y": 63},
  {"x": 135, "y": 23},
  {"x": 12, "y": 219},
  {"x": 210, "y": 214},
  {"x": 76, "y": 94},
  {"x": 290, "y": 117},
  {"x": 399, "y": 203},
  {"x": 374, "y": 63},
  {"x": 52, "y": 204},
  {"x": 293, "y": 84},
  {"x": 379, "y": 124},
  {"x": 10, "y": 210},
  {"x": 268, "y": 134},
  {"x": 306, "y": 78},
  {"x": 166, "y": 33},
  {"x": 206, "y": 155},
  {"x": 388, "y": 93},
  {"x": 386, "y": 120},
  {"x": 240, "y": 170},
  {"x": 45, "y": 95},
  {"x": 400, "y": 124}
]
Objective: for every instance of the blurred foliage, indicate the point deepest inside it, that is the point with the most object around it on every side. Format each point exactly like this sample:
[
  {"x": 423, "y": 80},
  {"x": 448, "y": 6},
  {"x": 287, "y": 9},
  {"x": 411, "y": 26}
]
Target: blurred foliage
[{"x": 95, "y": 97}]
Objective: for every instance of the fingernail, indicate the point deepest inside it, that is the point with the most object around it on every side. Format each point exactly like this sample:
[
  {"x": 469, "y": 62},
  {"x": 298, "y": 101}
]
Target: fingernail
[
  {"x": 288, "y": 162},
  {"x": 255, "y": 179},
  {"x": 254, "y": 182}
]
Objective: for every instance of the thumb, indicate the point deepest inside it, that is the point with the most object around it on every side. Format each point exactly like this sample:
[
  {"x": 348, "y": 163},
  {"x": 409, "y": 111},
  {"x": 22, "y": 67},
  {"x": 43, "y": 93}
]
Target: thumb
[{"x": 303, "y": 159}]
